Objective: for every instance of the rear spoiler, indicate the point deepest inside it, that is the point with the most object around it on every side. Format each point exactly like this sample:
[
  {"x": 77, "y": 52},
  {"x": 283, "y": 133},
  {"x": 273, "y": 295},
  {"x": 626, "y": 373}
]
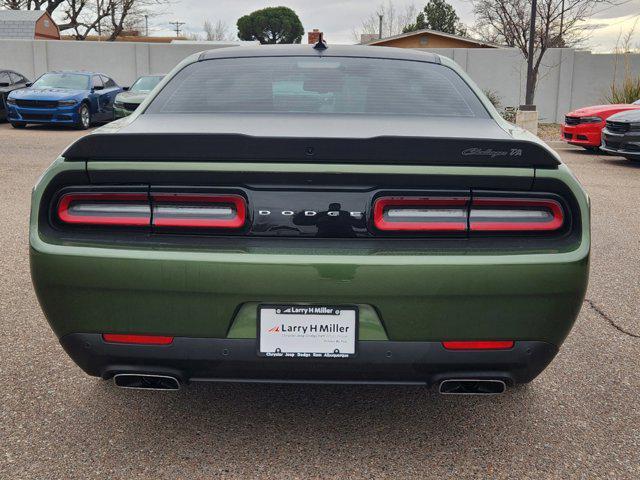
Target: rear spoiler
[{"x": 388, "y": 150}]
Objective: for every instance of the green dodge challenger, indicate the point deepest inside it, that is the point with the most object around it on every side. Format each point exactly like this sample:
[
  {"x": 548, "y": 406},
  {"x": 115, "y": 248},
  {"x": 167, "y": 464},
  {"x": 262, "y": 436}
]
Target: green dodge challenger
[{"x": 311, "y": 214}]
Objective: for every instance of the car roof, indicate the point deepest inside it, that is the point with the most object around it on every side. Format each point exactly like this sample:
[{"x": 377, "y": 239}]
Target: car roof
[
  {"x": 361, "y": 51},
  {"x": 79, "y": 72}
]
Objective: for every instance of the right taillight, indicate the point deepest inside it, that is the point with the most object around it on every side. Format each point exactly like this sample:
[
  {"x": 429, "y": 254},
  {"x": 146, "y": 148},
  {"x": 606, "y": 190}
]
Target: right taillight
[
  {"x": 421, "y": 214},
  {"x": 507, "y": 214}
]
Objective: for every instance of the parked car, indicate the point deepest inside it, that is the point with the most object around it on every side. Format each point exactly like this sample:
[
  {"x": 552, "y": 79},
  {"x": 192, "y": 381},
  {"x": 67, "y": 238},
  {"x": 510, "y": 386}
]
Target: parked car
[
  {"x": 382, "y": 223},
  {"x": 74, "y": 98},
  {"x": 583, "y": 127},
  {"x": 127, "y": 101},
  {"x": 9, "y": 81},
  {"x": 621, "y": 135}
]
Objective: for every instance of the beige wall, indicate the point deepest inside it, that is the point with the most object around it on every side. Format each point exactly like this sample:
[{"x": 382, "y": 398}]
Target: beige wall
[
  {"x": 428, "y": 40},
  {"x": 46, "y": 29}
]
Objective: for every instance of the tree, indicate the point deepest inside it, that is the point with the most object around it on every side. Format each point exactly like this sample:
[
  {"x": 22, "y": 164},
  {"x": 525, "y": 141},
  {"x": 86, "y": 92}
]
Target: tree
[
  {"x": 271, "y": 25},
  {"x": 440, "y": 16},
  {"x": 393, "y": 21},
  {"x": 559, "y": 23},
  {"x": 216, "y": 32},
  {"x": 83, "y": 17}
]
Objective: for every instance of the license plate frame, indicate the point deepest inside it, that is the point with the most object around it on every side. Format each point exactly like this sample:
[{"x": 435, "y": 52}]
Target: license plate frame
[{"x": 330, "y": 343}]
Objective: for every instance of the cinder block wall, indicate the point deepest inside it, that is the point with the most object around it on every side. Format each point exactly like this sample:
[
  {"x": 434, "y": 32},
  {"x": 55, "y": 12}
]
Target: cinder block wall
[{"x": 569, "y": 79}]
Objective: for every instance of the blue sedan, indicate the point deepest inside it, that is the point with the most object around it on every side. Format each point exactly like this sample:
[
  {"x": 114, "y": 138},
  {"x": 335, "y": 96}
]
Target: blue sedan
[{"x": 78, "y": 99}]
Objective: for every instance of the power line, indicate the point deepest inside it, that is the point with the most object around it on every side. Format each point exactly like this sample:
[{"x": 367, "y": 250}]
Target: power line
[{"x": 177, "y": 26}]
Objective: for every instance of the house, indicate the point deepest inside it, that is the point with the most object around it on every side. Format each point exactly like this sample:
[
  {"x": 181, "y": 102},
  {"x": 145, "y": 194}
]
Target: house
[
  {"x": 426, "y": 39},
  {"x": 28, "y": 25}
]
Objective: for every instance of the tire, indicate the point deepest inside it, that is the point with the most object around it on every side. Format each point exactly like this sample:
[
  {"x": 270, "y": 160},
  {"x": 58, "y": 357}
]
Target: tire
[
  {"x": 591, "y": 149},
  {"x": 18, "y": 124},
  {"x": 84, "y": 120},
  {"x": 633, "y": 159}
]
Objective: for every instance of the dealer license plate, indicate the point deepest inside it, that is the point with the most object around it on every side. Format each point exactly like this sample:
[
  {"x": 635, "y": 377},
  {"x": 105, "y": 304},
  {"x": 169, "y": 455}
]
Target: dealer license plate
[{"x": 307, "y": 331}]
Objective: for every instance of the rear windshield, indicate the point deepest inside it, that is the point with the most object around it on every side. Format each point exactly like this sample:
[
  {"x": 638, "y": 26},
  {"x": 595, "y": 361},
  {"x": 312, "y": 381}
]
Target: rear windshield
[
  {"x": 145, "y": 84},
  {"x": 319, "y": 85}
]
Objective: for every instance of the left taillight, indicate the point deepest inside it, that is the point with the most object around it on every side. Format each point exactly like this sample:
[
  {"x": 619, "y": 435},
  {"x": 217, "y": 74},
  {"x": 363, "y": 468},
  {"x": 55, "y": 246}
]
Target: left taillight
[
  {"x": 421, "y": 214},
  {"x": 89, "y": 208}
]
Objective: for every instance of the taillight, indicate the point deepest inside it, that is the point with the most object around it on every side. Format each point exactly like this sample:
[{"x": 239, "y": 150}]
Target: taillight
[
  {"x": 137, "y": 339},
  {"x": 479, "y": 345},
  {"x": 425, "y": 214},
  {"x": 198, "y": 210},
  {"x": 498, "y": 214},
  {"x": 126, "y": 209}
]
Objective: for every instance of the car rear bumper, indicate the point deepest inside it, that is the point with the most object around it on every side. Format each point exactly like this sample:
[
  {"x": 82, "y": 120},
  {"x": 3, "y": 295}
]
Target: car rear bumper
[
  {"x": 587, "y": 135},
  {"x": 210, "y": 359}
]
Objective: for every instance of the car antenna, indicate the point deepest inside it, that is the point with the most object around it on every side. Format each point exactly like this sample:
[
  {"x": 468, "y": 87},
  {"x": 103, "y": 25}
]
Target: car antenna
[{"x": 321, "y": 45}]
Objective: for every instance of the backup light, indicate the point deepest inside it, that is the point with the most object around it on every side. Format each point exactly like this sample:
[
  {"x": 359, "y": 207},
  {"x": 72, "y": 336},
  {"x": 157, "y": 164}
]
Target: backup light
[
  {"x": 426, "y": 214},
  {"x": 198, "y": 210}
]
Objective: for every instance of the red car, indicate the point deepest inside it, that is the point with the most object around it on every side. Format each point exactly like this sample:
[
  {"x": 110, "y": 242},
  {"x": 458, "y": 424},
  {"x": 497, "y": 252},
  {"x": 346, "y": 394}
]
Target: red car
[{"x": 583, "y": 127}]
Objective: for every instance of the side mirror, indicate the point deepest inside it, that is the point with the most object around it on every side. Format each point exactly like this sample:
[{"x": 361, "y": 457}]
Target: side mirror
[
  {"x": 125, "y": 89},
  {"x": 28, "y": 84}
]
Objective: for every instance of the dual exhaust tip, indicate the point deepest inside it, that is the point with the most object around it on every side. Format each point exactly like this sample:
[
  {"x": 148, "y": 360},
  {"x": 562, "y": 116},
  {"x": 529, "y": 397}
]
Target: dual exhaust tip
[
  {"x": 146, "y": 382},
  {"x": 460, "y": 386},
  {"x": 447, "y": 387}
]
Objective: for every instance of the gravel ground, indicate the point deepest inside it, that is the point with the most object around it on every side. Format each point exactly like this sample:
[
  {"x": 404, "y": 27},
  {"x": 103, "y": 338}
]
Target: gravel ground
[
  {"x": 579, "y": 419},
  {"x": 549, "y": 132}
]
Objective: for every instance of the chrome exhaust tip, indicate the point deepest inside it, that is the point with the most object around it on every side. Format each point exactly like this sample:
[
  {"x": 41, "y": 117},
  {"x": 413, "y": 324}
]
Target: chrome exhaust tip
[
  {"x": 146, "y": 382},
  {"x": 464, "y": 386}
]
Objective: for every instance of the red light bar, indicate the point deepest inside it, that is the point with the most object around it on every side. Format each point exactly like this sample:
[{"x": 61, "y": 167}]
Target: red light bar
[
  {"x": 430, "y": 214},
  {"x": 515, "y": 214},
  {"x": 137, "y": 339},
  {"x": 479, "y": 345},
  {"x": 198, "y": 210},
  {"x": 127, "y": 209}
]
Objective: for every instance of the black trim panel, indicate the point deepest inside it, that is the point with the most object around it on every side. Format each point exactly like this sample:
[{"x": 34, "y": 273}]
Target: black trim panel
[
  {"x": 218, "y": 359},
  {"x": 386, "y": 150}
]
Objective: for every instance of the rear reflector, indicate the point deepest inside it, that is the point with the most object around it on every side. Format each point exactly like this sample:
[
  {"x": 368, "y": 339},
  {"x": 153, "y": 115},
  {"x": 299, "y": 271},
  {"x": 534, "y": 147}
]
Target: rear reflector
[
  {"x": 137, "y": 339},
  {"x": 515, "y": 215},
  {"x": 425, "y": 214},
  {"x": 198, "y": 211},
  {"x": 479, "y": 345},
  {"x": 126, "y": 209}
]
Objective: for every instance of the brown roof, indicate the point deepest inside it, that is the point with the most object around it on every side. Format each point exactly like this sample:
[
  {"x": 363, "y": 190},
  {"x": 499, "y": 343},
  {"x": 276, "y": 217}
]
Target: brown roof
[{"x": 435, "y": 33}]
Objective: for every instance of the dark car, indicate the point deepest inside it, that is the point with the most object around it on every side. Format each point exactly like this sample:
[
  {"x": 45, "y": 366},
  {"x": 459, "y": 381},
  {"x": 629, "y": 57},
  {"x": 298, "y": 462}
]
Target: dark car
[
  {"x": 9, "y": 81},
  {"x": 290, "y": 214},
  {"x": 76, "y": 99},
  {"x": 127, "y": 101},
  {"x": 621, "y": 135}
]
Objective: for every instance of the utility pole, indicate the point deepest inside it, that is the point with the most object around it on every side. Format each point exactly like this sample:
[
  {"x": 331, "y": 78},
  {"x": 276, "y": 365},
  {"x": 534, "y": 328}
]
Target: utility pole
[
  {"x": 380, "y": 29},
  {"x": 177, "y": 27},
  {"x": 532, "y": 33},
  {"x": 146, "y": 25}
]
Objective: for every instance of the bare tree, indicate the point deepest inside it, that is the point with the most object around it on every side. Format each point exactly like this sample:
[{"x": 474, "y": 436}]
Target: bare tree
[
  {"x": 393, "y": 20},
  {"x": 216, "y": 32},
  {"x": 559, "y": 23},
  {"x": 83, "y": 17}
]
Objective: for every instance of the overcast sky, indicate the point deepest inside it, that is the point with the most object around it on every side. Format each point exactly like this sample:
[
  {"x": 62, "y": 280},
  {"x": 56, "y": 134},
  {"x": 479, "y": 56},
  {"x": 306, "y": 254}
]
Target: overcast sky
[{"x": 339, "y": 18}]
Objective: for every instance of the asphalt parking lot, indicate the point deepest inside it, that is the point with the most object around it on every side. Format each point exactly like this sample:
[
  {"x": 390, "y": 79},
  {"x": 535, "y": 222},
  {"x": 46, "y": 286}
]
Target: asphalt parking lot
[{"x": 579, "y": 419}]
